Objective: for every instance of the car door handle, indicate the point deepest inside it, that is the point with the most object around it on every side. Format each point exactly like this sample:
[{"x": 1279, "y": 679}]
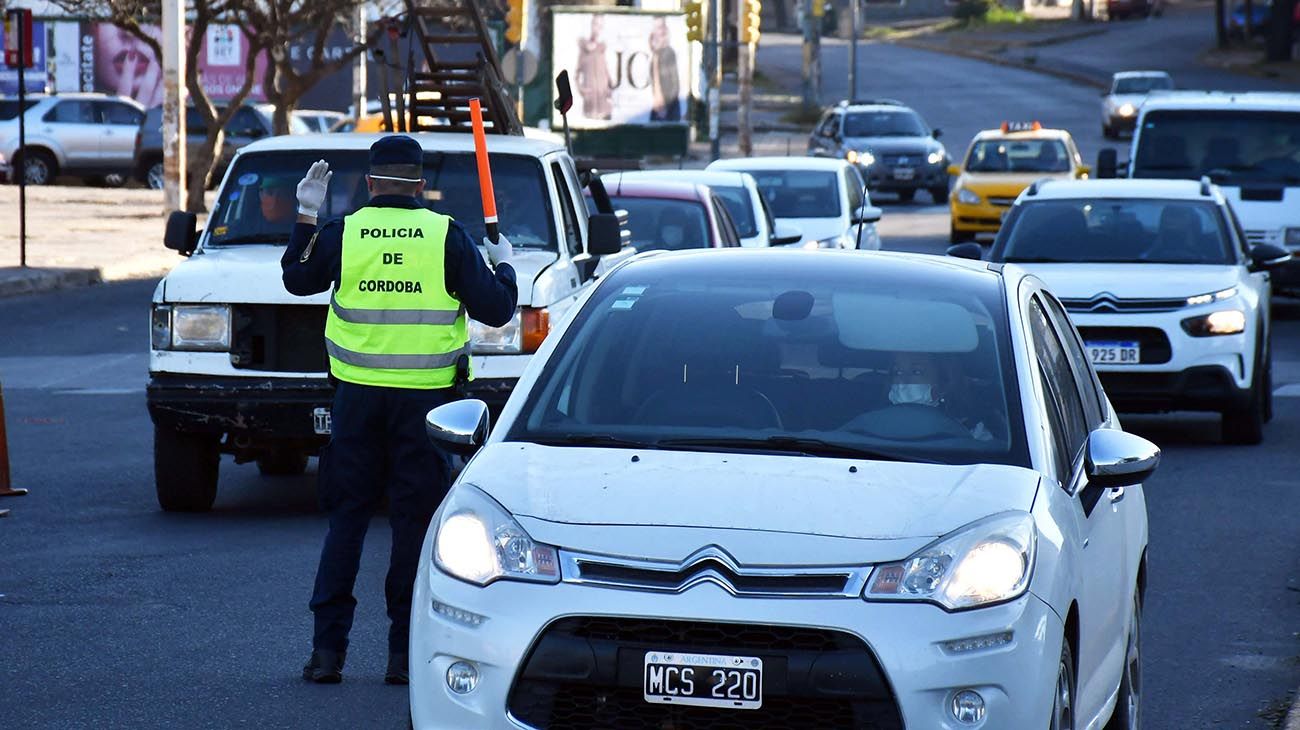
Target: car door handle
[{"x": 1116, "y": 494}]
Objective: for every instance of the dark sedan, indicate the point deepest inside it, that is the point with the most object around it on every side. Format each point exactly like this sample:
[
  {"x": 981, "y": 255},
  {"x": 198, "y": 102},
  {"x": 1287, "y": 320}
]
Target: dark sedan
[{"x": 673, "y": 216}]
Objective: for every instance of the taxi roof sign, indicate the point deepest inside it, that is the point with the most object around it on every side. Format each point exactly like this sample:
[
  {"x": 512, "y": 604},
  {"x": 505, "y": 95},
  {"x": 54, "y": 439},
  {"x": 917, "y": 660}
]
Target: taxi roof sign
[{"x": 1021, "y": 126}]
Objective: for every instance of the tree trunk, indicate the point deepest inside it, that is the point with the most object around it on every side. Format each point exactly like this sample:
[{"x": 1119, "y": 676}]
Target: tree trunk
[
  {"x": 1281, "y": 36},
  {"x": 201, "y": 164}
]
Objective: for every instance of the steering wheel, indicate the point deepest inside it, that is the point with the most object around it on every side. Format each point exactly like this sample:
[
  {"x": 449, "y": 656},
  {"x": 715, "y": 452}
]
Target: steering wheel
[{"x": 910, "y": 422}]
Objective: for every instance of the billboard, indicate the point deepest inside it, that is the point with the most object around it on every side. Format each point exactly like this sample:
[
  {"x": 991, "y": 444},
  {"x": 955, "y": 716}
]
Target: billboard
[
  {"x": 35, "y": 76},
  {"x": 625, "y": 67}
]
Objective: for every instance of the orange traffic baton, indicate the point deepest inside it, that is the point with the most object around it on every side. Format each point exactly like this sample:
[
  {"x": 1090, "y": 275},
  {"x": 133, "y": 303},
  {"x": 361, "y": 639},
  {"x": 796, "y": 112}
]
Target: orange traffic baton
[
  {"x": 484, "y": 171},
  {"x": 5, "y": 489}
]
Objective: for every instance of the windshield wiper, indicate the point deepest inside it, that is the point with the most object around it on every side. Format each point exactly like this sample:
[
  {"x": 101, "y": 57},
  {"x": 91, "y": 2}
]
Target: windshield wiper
[
  {"x": 267, "y": 238},
  {"x": 791, "y": 444},
  {"x": 591, "y": 439}
]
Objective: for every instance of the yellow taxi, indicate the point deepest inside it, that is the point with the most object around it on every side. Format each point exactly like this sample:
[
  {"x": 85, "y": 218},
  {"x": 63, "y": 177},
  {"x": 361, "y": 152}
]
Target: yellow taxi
[{"x": 999, "y": 165}]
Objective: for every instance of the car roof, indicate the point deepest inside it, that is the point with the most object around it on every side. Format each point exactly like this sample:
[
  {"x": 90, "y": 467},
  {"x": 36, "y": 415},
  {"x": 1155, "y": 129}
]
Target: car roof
[
  {"x": 1210, "y": 100},
  {"x": 779, "y": 163},
  {"x": 78, "y": 95},
  {"x": 727, "y": 178},
  {"x": 1121, "y": 188},
  {"x": 664, "y": 189},
  {"x": 430, "y": 141},
  {"x": 1140, "y": 74}
]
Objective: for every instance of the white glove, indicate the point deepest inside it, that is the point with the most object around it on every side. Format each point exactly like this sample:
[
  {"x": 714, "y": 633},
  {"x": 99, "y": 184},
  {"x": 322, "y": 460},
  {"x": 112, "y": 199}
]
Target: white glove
[
  {"x": 311, "y": 189},
  {"x": 499, "y": 252}
]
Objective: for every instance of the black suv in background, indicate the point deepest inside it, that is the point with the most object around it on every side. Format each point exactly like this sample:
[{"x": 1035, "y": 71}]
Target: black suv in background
[
  {"x": 893, "y": 148},
  {"x": 246, "y": 126}
]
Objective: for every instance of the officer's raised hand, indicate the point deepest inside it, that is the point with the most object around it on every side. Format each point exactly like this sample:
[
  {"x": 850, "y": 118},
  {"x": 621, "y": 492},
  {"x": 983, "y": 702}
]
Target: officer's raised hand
[
  {"x": 311, "y": 190},
  {"x": 499, "y": 252}
]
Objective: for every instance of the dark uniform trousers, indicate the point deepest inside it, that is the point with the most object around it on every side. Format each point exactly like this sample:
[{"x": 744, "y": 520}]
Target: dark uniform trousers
[{"x": 378, "y": 441}]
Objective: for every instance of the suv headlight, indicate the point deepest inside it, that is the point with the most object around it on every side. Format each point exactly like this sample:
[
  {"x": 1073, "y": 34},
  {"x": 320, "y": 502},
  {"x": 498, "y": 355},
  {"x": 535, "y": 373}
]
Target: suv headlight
[
  {"x": 967, "y": 197},
  {"x": 987, "y": 561},
  {"x": 479, "y": 542},
  {"x": 1225, "y": 322},
  {"x": 204, "y": 327},
  {"x": 935, "y": 157}
]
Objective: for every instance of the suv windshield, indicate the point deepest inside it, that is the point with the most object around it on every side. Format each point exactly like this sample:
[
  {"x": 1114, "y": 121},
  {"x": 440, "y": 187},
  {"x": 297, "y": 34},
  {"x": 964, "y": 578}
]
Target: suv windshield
[
  {"x": 1232, "y": 147},
  {"x": 1142, "y": 84},
  {"x": 1115, "y": 231},
  {"x": 799, "y": 194},
  {"x": 753, "y": 358},
  {"x": 1019, "y": 155},
  {"x": 258, "y": 203},
  {"x": 883, "y": 124}
]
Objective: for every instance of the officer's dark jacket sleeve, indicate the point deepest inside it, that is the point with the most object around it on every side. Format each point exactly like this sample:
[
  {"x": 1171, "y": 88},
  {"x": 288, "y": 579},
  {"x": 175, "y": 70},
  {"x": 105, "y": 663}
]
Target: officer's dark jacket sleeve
[{"x": 311, "y": 261}]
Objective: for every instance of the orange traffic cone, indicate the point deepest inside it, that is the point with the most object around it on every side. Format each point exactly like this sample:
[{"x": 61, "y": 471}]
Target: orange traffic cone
[{"x": 5, "y": 489}]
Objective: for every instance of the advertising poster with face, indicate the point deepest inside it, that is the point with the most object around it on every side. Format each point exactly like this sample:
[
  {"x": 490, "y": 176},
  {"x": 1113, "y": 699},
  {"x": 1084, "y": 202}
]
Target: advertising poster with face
[{"x": 626, "y": 68}]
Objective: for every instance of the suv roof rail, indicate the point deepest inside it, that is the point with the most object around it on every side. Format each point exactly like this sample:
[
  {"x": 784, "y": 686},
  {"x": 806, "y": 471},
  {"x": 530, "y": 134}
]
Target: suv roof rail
[
  {"x": 871, "y": 101},
  {"x": 1206, "y": 182},
  {"x": 1036, "y": 185}
]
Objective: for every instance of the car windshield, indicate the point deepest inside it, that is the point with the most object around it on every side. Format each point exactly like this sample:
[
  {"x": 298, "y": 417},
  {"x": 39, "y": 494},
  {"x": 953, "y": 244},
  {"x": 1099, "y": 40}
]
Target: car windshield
[
  {"x": 1142, "y": 84},
  {"x": 883, "y": 124},
  {"x": 1019, "y": 155},
  {"x": 799, "y": 193},
  {"x": 258, "y": 202},
  {"x": 1115, "y": 231},
  {"x": 663, "y": 223},
  {"x": 741, "y": 208},
  {"x": 1232, "y": 147},
  {"x": 821, "y": 360}
]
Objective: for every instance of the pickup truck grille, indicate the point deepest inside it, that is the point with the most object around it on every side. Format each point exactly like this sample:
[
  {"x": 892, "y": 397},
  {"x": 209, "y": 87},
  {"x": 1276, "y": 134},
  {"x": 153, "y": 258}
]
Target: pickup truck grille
[{"x": 285, "y": 338}]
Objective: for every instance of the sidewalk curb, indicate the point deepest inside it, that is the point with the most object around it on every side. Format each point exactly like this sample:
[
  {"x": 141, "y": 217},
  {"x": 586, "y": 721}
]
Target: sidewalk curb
[
  {"x": 1077, "y": 78},
  {"x": 16, "y": 282}
]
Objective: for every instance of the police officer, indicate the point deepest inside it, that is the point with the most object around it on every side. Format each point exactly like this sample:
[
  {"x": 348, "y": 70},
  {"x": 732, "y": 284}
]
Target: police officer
[{"x": 404, "y": 278}]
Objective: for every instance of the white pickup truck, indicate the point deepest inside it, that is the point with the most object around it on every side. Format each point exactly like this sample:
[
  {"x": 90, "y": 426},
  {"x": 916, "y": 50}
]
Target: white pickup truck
[{"x": 237, "y": 364}]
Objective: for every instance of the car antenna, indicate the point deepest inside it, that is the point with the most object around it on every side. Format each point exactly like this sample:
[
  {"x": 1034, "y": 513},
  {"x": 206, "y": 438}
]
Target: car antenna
[
  {"x": 858, "y": 244},
  {"x": 564, "y": 102}
]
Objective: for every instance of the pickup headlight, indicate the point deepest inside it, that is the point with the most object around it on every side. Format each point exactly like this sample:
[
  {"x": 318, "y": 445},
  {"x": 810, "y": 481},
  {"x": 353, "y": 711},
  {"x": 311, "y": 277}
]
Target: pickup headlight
[
  {"x": 988, "y": 561},
  {"x": 967, "y": 197},
  {"x": 1225, "y": 322},
  {"x": 479, "y": 542},
  {"x": 523, "y": 334},
  {"x": 204, "y": 327}
]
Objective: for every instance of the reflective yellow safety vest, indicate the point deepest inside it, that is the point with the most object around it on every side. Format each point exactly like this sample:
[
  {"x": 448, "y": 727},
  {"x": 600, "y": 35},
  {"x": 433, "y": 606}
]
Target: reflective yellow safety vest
[{"x": 392, "y": 322}]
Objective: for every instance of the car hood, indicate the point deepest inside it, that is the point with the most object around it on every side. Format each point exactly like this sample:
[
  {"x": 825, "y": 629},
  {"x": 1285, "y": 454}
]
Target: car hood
[
  {"x": 1005, "y": 183},
  {"x": 751, "y": 492},
  {"x": 250, "y": 273},
  {"x": 1134, "y": 281},
  {"x": 892, "y": 145}
]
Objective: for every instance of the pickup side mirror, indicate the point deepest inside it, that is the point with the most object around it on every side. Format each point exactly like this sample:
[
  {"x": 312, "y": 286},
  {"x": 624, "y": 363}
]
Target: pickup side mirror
[
  {"x": 604, "y": 234},
  {"x": 1107, "y": 164},
  {"x": 972, "y": 251},
  {"x": 784, "y": 234},
  {"x": 460, "y": 426},
  {"x": 867, "y": 214},
  {"x": 182, "y": 232},
  {"x": 1119, "y": 459},
  {"x": 1267, "y": 256}
]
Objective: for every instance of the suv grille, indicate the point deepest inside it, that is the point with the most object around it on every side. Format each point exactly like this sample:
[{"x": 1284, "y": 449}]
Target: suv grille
[
  {"x": 1105, "y": 302},
  {"x": 278, "y": 337},
  {"x": 586, "y": 672}
]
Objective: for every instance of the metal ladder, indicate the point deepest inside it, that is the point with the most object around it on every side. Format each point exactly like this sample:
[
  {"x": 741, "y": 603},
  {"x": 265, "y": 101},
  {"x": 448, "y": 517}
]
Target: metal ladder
[{"x": 460, "y": 64}]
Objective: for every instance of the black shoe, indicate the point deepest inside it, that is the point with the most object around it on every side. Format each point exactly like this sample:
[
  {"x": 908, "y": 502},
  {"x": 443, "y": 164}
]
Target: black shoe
[
  {"x": 325, "y": 667},
  {"x": 398, "y": 669}
]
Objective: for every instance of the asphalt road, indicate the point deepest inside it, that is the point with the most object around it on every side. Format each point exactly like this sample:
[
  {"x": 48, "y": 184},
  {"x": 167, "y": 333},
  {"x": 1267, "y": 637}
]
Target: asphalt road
[{"x": 113, "y": 614}]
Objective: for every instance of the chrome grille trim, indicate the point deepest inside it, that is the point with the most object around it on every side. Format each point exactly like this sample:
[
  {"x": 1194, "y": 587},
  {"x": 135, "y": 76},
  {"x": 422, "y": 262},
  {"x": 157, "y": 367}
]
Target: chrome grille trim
[
  {"x": 1107, "y": 303},
  {"x": 1004, "y": 202},
  {"x": 713, "y": 565}
]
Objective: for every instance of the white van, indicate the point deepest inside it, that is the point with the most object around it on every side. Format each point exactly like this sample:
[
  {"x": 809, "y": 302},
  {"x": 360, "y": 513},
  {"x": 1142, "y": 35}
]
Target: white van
[
  {"x": 237, "y": 364},
  {"x": 1247, "y": 143}
]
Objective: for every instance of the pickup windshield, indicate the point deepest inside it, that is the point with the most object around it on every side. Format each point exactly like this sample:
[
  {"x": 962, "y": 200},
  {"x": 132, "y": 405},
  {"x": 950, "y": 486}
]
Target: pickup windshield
[
  {"x": 258, "y": 203},
  {"x": 1231, "y": 147}
]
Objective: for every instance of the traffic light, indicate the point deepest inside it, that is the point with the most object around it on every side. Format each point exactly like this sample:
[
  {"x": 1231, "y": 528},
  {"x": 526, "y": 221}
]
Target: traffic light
[
  {"x": 694, "y": 20},
  {"x": 515, "y": 21},
  {"x": 750, "y": 19}
]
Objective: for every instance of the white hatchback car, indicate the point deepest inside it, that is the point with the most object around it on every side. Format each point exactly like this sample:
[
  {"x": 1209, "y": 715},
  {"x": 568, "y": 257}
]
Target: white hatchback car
[
  {"x": 762, "y": 489},
  {"x": 1172, "y": 303},
  {"x": 825, "y": 199}
]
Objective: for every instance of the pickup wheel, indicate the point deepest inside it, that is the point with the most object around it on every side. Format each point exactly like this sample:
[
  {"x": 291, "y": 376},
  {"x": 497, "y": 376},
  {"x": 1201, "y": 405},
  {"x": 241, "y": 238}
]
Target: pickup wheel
[
  {"x": 282, "y": 463},
  {"x": 185, "y": 468}
]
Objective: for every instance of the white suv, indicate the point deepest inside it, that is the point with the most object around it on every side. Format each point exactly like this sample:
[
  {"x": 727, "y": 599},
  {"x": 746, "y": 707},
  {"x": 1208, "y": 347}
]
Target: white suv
[{"x": 1157, "y": 275}]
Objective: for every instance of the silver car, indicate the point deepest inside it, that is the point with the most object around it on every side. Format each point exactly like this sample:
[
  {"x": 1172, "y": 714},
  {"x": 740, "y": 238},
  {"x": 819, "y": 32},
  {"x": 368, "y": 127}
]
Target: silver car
[{"x": 90, "y": 136}]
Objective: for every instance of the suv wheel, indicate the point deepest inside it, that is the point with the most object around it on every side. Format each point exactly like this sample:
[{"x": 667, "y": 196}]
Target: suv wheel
[
  {"x": 1245, "y": 425},
  {"x": 1128, "y": 707},
  {"x": 185, "y": 467},
  {"x": 154, "y": 178},
  {"x": 282, "y": 462},
  {"x": 39, "y": 167}
]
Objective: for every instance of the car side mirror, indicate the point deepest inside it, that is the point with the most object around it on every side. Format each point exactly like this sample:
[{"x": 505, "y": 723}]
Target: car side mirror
[
  {"x": 604, "y": 234},
  {"x": 1267, "y": 256},
  {"x": 784, "y": 234},
  {"x": 972, "y": 251},
  {"x": 936, "y": 133},
  {"x": 1107, "y": 164},
  {"x": 1119, "y": 459},
  {"x": 460, "y": 427},
  {"x": 954, "y": 170},
  {"x": 866, "y": 214},
  {"x": 182, "y": 234}
]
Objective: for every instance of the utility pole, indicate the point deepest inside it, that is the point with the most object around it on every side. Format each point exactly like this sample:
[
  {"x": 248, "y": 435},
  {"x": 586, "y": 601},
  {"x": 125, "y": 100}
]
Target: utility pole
[
  {"x": 359, "y": 67},
  {"x": 812, "y": 53},
  {"x": 855, "y": 12},
  {"x": 748, "y": 20},
  {"x": 173, "y": 46},
  {"x": 715, "y": 90}
]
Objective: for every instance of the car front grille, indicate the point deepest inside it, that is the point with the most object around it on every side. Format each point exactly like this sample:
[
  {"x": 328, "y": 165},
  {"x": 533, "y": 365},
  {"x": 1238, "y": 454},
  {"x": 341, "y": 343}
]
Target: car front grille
[
  {"x": 1000, "y": 201},
  {"x": 1106, "y": 302},
  {"x": 712, "y": 566},
  {"x": 1256, "y": 236},
  {"x": 586, "y": 672},
  {"x": 1154, "y": 344},
  {"x": 278, "y": 338}
]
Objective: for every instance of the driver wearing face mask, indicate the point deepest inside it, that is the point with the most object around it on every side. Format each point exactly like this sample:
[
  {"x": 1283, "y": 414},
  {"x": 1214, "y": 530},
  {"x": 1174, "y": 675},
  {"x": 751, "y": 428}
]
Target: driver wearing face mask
[
  {"x": 917, "y": 378},
  {"x": 672, "y": 235}
]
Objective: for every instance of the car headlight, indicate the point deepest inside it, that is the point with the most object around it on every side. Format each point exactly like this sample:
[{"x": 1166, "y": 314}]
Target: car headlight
[
  {"x": 521, "y": 335},
  {"x": 1216, "y": 296},
  {"x": 862, "y": 157},
  {"x": 203, "y": 327},
  {"x": 479, "y": 542},
  {"x": 1225, "y": 322},
  {"x": 935, "y": 157},
  {"x": 987, "y": 561},
  {"x": 968, "y": 197},
  {"x": 1291, "y": 236},
  {"x": 1127, "y": 110}
]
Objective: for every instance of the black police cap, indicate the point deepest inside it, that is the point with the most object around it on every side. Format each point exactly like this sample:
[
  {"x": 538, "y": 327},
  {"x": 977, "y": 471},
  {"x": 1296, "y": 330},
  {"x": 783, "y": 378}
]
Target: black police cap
[{"x": 396, "y": 149}]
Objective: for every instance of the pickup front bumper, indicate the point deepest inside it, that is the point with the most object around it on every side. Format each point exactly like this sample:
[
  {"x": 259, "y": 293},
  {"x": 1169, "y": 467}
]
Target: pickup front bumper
[{"x": 279, "y": 408}]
